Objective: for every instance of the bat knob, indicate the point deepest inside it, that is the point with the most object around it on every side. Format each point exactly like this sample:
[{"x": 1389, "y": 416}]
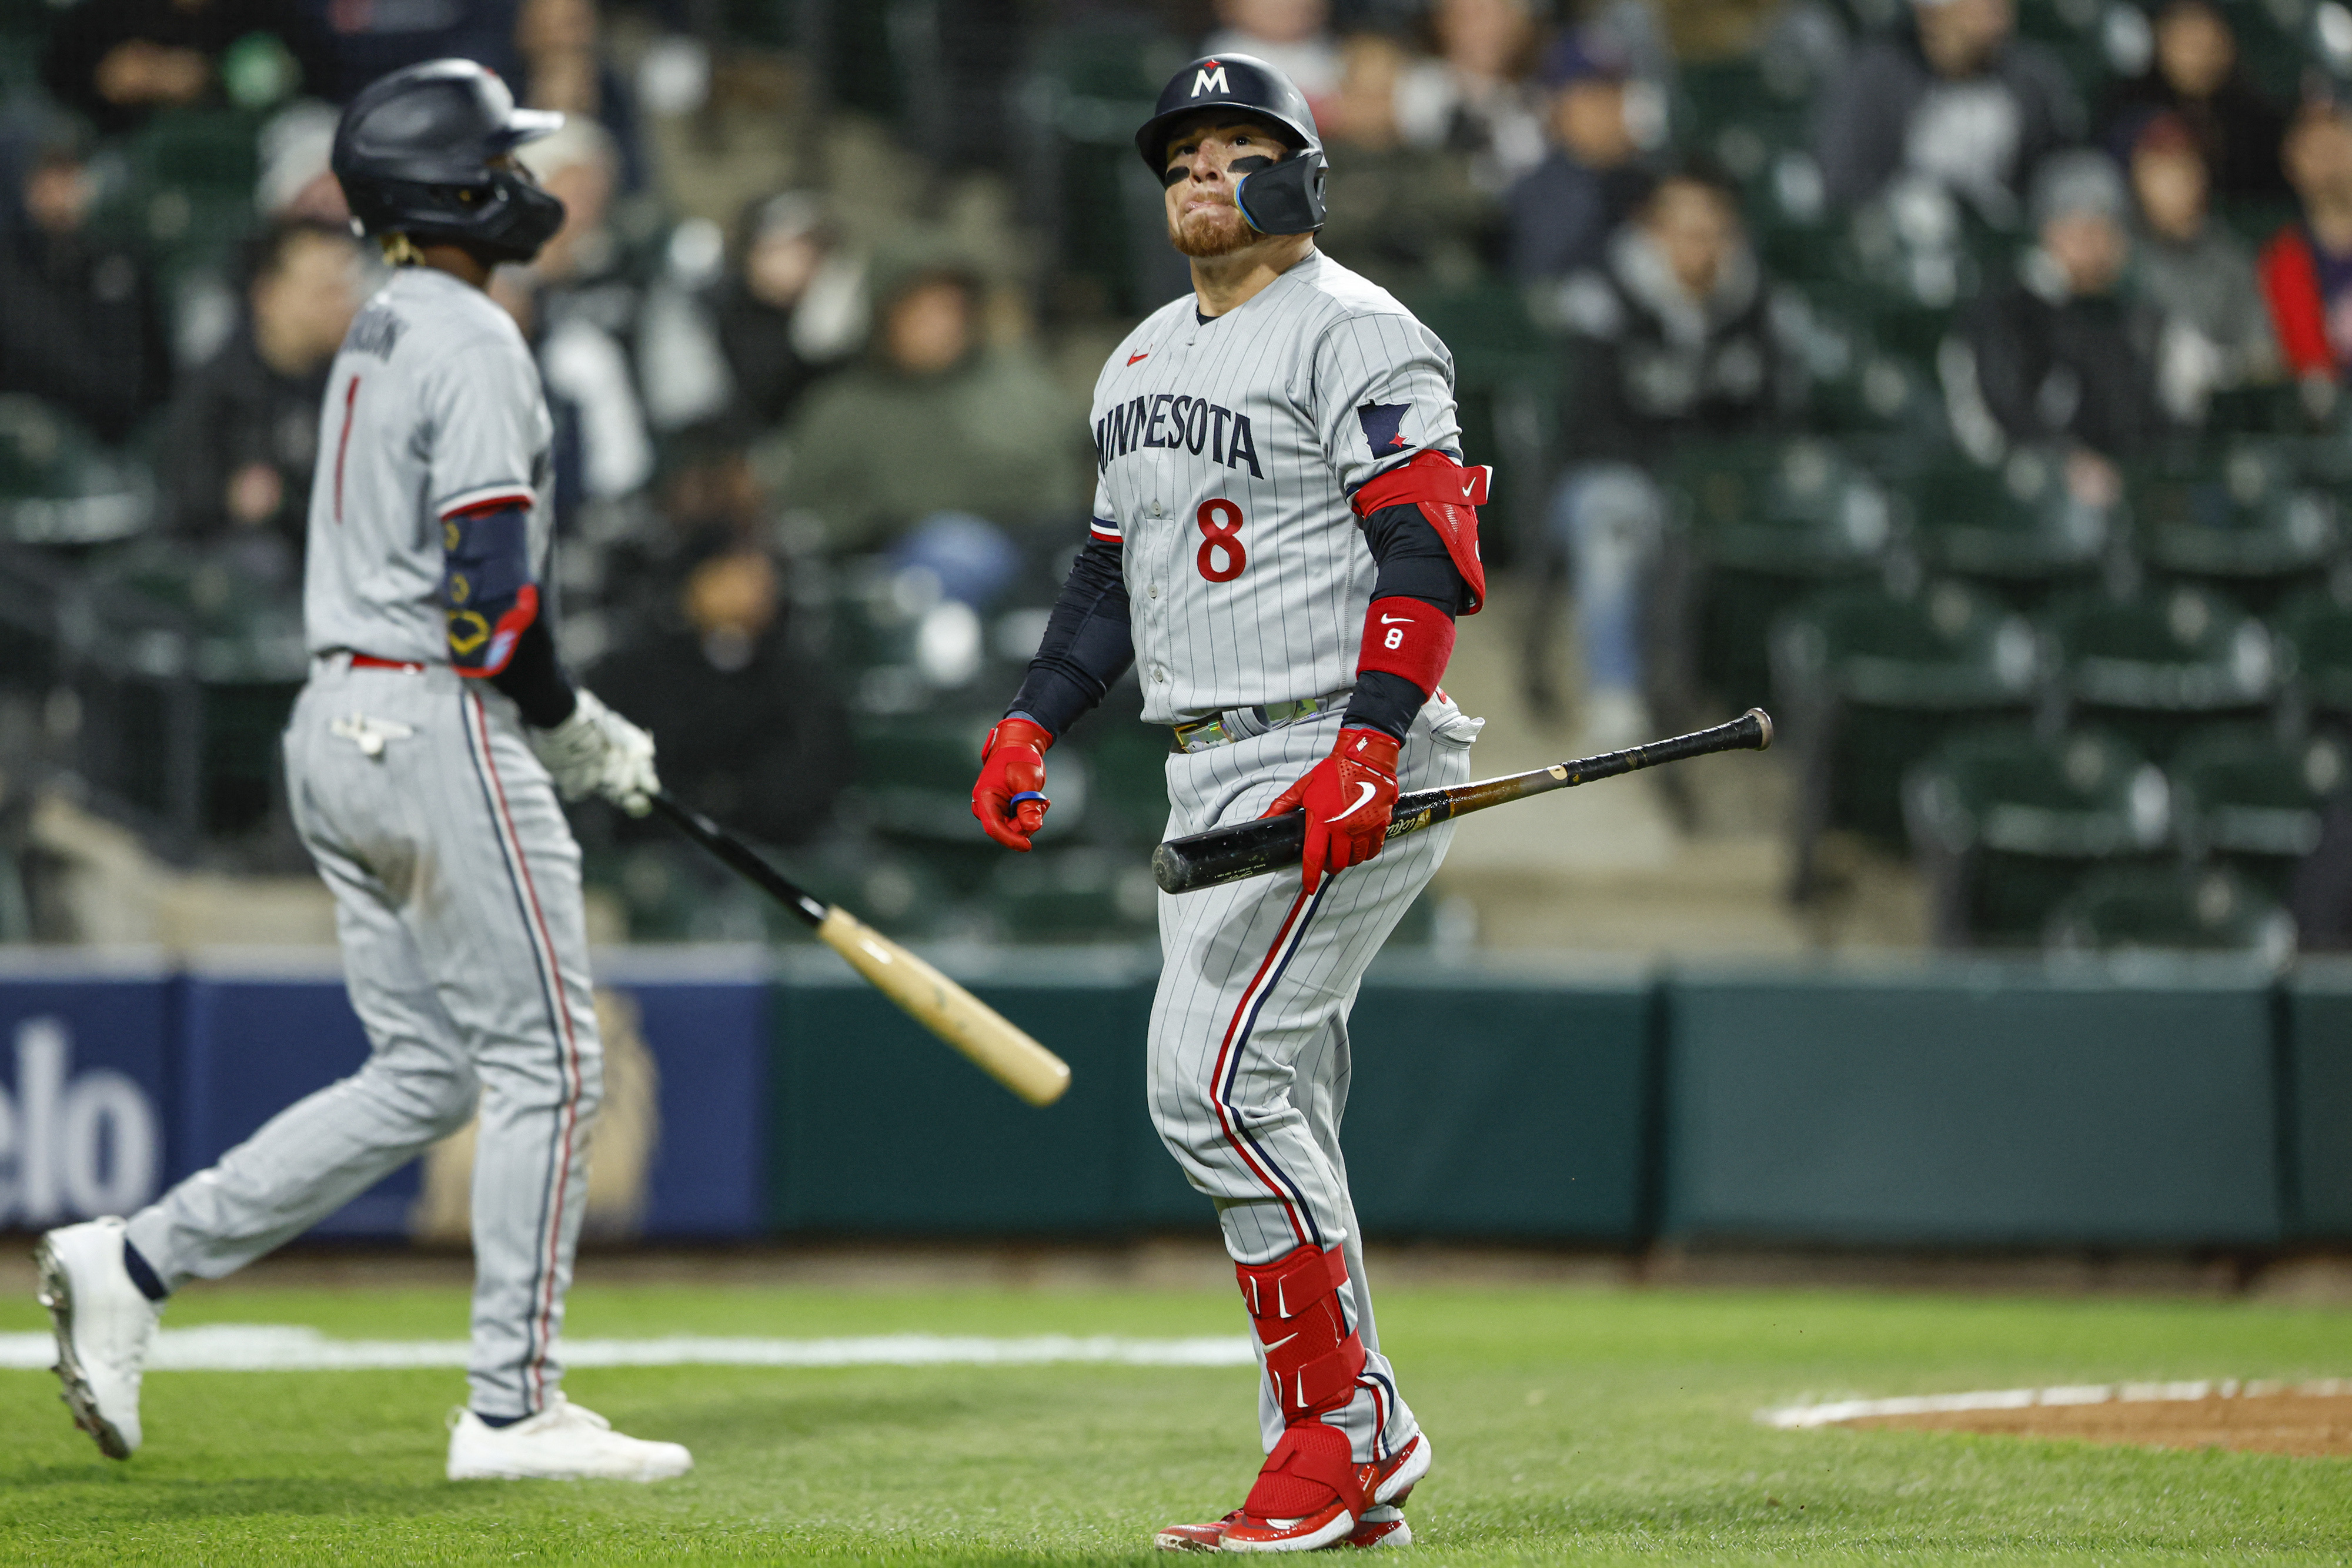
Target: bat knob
[{"x": 1763, "y": 729}]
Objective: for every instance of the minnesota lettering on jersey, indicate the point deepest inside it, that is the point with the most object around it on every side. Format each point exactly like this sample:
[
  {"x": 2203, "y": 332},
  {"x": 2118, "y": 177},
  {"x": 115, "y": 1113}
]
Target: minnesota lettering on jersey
[
  {"x": 376, "y": 331},
  {"x": 1168, "y": 420}
]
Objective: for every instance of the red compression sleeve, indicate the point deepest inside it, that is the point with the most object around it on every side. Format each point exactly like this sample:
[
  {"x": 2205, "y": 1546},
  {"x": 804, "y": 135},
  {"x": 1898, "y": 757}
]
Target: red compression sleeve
[{"x": 1407, "y": 637}]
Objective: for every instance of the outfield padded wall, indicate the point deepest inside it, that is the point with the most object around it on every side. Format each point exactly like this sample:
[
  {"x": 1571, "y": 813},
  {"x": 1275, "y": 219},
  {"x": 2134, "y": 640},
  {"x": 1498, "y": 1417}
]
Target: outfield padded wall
[
  {"x": 1479, "y": 1108},
  {"x": 2316, "y": 1057},
  {"x": 2175, "y": 1104},
  {"x": 1993, "y": 1104}
]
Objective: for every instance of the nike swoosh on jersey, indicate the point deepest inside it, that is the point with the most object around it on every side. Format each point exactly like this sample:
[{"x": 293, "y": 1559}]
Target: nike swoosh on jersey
[
  {"x": 1396, "y": 619},
  {"x": 1368, "y": 791},
  {"x": 1133, "y": 358}
]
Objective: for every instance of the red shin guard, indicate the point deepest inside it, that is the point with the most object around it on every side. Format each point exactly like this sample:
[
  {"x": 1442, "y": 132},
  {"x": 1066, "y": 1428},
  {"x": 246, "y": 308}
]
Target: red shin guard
[{"x": 1313, "y": 1360}]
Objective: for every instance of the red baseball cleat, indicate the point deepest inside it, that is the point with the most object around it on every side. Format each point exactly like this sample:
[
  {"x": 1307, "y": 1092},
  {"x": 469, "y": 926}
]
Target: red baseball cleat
[{"x": 1383, "y": 1486}]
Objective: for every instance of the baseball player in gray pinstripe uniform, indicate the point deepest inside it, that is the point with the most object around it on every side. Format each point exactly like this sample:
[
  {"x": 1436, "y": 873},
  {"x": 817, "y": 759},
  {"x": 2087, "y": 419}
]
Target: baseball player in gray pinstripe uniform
[
  {"x": 1283, "y": 536},
  {"x": 423, "y": 759}
]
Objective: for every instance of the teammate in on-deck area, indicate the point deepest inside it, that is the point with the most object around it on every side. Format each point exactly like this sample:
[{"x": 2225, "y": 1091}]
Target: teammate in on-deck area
[
  {"x": 1283, "y": 536},
  {"x": 423, "y": 759}
]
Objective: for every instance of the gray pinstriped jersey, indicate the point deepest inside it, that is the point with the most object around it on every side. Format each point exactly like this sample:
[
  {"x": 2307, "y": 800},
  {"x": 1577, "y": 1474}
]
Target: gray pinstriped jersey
[
  {"x": 1227, "y": 450},
  {"x": 433, "y": 406}
]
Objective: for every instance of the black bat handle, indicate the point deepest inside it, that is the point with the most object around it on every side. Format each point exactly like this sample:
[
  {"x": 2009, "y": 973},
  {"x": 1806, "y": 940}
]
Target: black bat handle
[
  {"x": 745, "y": 860},
  {"x": 1230, "y": 853}
]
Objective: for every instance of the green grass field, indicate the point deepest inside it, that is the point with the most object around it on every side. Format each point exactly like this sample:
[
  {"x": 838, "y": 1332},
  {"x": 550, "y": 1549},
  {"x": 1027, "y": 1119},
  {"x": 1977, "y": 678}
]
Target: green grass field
[{"x": 1581, "y": 1426}]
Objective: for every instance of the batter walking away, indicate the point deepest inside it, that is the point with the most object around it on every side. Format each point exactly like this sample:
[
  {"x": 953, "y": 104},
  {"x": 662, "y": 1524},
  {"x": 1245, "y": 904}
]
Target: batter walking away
[
  {"x": 1283, "y": 535},
  {"x": 423, "y": 759}
]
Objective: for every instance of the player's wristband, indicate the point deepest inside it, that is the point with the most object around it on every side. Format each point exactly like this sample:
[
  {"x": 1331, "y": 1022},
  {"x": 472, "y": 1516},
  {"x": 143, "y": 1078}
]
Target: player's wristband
[{"x": 1407, "y": 637}]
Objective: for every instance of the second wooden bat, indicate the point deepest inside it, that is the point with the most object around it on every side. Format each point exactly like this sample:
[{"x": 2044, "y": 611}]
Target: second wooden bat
[
  {"x": 996, "y": 1047},
  {"x": 1269, "y": 843}
]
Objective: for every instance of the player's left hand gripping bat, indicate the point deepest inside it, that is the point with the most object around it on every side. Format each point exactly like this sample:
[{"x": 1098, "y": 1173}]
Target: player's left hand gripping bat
[
  {"x": 1269, "y": 843},
  {"x": 1000, "y": 1050}
]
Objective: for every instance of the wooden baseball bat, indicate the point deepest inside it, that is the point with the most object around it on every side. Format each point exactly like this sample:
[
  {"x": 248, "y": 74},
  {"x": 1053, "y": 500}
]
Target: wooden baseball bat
[
  {"x": 997, "y": 1048},
  {"x": 1269, "y": 843}
]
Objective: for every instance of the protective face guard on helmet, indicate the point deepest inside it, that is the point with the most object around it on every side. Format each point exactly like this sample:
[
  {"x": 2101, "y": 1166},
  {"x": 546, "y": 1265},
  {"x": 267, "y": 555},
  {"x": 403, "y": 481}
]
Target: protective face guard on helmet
[
  {"x": 507, "y": 218},
  {"x": 1283, "y": 197}
]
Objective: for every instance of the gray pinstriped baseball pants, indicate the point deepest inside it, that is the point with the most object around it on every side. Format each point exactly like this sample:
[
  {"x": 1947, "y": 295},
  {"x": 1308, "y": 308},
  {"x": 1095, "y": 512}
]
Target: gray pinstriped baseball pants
[
  {"x": 1249, "y": 1066},
  {"x": 458, "y": 902}
]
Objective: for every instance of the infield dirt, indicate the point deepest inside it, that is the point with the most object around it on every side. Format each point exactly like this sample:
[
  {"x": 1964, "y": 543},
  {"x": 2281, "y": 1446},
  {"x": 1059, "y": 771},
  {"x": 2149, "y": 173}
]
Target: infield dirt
[{"x": 2307, "y": 1423}]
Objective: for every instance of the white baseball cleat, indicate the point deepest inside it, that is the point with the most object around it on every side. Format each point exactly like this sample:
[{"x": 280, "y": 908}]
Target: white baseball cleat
[
  {"x": 564, "y": 1442},
  {"x": 1381, "y": 1526},
  {"x": 103, "y": 1324}
]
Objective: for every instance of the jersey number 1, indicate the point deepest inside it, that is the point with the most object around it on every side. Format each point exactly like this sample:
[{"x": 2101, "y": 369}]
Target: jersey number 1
[{"x": 1221, "y": 558}]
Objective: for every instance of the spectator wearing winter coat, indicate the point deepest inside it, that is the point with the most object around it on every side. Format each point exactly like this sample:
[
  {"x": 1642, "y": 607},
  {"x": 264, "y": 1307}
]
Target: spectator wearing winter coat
[
  {"x": 791, "y": 311},
  {"x": 243, "y": 437},
  {"x": 1476, "y": 96},
  {"x": 935, "y": 418},
  {"x": 2196, "y": 277},
  {"x": 750, "y": 730},
  {"x": 2062, "y": 355},
  {"x": 2306, "y": 267},
  {"x": 2194, "y": 74},
  {"x": 119, "y": 61},
  {"x": 1405, "y": 216},
  {"x": 1953, "y": 94},
  {"x": 79, "y": 325},
  {"x": 1672, "y": 340},
  {"x": 1563, "y": 212}
]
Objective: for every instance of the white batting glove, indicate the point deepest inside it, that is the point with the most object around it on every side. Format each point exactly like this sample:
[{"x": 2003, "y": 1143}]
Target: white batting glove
[{"x": 598, "y": 752}]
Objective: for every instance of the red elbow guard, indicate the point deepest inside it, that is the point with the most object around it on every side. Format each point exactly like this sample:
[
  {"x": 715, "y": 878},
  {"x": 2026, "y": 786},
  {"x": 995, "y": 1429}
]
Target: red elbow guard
[
  {"x": 1407, "y": 637},
  {"x": 1449, "y": 495}
]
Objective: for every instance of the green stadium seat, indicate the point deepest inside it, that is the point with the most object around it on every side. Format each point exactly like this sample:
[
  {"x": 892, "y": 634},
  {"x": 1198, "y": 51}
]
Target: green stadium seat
[
  {"x": 2014, "y": 526},
  {"x": 915, "y": 773},
  {"x": 59, "y": 486},
  {"x": 2002, "y": 820},
  {"x": 2157, "y": 665},
  {"x": 2246, "y": 797},
  {"x": 1080, "y": 894},
  {"x": 2314, "y": 630},
  {"x": 1858, "y": 388},
  {"x": 2246, "y": 523},
  {"x": 1125, "y": 798},
  {"x": 2168, "y": 909},
  {"x": 1767, "y": 522},
  {"x": 1868, "y": 683}
]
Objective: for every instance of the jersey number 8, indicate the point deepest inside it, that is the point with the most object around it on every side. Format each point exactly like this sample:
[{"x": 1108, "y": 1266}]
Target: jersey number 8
[{"x": 1221, "y": 557}]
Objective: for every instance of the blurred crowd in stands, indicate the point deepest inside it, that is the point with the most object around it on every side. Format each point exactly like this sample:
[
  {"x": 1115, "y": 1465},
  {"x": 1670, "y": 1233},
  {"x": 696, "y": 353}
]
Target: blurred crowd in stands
[{"x": 1855, "y": 355}]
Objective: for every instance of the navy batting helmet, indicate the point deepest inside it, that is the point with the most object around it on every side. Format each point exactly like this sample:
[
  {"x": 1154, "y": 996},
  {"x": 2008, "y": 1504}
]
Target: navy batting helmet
[
  {"x": 1281, "y": 198},
  {"x": 413, "y": 153}
]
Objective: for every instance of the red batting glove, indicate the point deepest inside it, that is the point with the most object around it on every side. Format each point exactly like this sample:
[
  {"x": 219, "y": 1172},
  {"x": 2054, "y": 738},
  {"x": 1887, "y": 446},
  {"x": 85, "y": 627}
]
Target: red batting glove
[
  {"x": 1348, "y": 796},
  {"x": 1010, "y": 797}
]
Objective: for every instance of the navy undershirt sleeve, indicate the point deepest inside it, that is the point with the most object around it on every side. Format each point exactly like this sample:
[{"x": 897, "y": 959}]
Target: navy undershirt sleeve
[
  {"x": 1088, "y": 642},
  {"x": 534, "y": 678},
  {"x": 1413, "y": 563}
]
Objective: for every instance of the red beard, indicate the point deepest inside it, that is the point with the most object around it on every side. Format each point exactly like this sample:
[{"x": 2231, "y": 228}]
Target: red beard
[{"x": 1215, "y": 231}]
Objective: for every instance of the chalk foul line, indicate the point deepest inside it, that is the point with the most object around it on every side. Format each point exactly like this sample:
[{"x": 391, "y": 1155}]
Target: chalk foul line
[
  {"x": 1791, "y": 1417},
  {"x": 268, "y": 1347}
]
